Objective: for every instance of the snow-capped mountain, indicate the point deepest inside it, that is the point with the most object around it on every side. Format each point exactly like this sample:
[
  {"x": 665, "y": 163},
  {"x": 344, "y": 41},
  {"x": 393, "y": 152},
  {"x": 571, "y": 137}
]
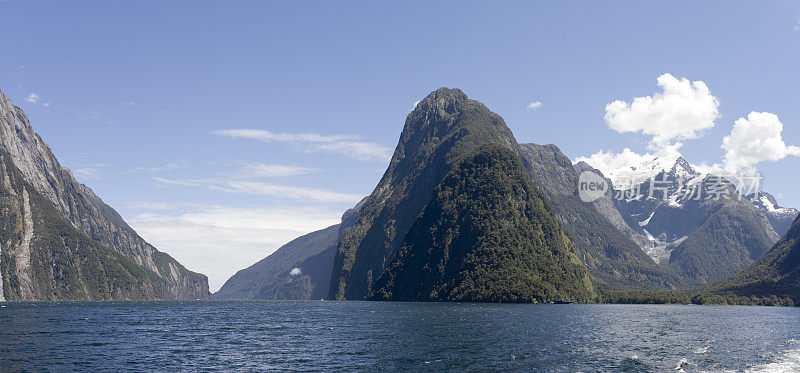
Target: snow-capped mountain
[
  {"x": 698, "y": 223},
  {"x": 781, "y": 218}
]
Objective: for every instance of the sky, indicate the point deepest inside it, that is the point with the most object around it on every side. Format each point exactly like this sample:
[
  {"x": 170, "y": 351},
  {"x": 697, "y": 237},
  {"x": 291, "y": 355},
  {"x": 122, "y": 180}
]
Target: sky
[{"x": 222, "y": 130}]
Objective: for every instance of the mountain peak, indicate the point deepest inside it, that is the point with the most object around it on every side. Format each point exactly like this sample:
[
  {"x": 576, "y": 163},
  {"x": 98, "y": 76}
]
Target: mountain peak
[
  {"x": 444, "y": 99},
  {"x": 682, "y": 168},
  {"x": 445, "y": 127}
]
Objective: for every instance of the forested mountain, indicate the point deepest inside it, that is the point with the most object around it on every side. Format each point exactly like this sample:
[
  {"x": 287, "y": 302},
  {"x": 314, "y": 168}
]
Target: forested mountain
[
  {"x": 777, "y": 273},
  {"x": 44, "y": 257},
  {"x": 444, "y": 128},
  {"x": 488, "y": 234},
  {"x": 730, "y": 236},
  {"x": 68, "y": 208}
]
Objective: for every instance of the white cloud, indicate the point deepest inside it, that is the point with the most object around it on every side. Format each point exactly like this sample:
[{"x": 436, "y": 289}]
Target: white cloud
[
  {"x": 682, "y": 111},
  {"x": 295, "y": 272},
  {"x": 220, "y": 240},
  {"x": 258, "y": 170},
  {"x": 797, "y": 26},
  {"x": 299, "y": 193},
  {"x": 163, "y": 180},
  {"x": 755, "y": 139},
  {"x": 32, "y": 98},
  {"x": 153, "y": 205},
  {"x": 534, "y": 105},
  {"x": 349, "y": 145},
  {"x": 87, "y": 173},
  {"x": 46, "y": 104},
  {"x": 164, "y": 167},
  {"x": 287, "y": 191}
]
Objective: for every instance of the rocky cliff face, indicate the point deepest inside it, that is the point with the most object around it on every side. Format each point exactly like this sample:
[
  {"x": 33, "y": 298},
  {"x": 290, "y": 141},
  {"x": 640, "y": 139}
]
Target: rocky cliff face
[
  {"x": 84, "y": 210},
  {"x": 45, "y": 257}
]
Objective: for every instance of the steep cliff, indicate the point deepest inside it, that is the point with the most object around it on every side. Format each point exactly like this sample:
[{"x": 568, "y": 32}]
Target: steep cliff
[
  {"x": 445, "y": 127},
  {"x": 487, "y": 235},
  {"x": 44, "y": 257},
  {"x": 84, "y": 210}
]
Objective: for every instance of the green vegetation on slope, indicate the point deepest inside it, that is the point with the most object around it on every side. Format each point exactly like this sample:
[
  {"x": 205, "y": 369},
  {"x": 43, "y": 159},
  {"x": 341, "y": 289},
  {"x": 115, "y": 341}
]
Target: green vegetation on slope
[
  {"x": 774, "y": 280},
  {"x": 487, "y": 235},
  {"x": 729, "y": 240},
  {"x": 777, "y": 273}
]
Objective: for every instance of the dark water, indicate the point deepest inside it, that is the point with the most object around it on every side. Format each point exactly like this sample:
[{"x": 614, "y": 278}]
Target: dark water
[{"x": 348, "y": 336}]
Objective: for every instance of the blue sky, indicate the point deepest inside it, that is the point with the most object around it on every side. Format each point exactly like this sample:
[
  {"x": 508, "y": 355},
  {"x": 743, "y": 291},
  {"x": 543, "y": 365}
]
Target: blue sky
[{"x": 133, "y": 96}]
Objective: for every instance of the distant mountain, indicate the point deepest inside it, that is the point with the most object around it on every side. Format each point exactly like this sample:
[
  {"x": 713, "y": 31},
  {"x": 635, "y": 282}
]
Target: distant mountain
[
  {"x": 699, "y": 236},
  {"x": 311, "y": 256},
  {"x": 69, "y": 208},
  {"x": 731, "y": 235},
  {"x": 611, "y": 256},
  {"x": 488, "y": 234},
  {"x": 272, "y": 277},
  {"x": 439, "y": 133},
  {"x": 776, "y": 274}
]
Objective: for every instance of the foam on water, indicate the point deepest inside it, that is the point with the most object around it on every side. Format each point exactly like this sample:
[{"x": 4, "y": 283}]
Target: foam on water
[{"x": 789, "y": 361}]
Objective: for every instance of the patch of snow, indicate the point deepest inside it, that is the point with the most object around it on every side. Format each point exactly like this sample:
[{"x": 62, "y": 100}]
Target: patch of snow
[
  {"x": 2, "y": 297},
  {"x": 772, "y": 209},
  {"x": 767, "y": 204},
  {"x": 649, "y": 236},
  {"x": 673, "y": 201},
  {"x": 647, "y": 221}
]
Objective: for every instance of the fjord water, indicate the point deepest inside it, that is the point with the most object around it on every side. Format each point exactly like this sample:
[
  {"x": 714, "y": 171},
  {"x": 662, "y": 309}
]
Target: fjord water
[{"x": 371, "y": 336}]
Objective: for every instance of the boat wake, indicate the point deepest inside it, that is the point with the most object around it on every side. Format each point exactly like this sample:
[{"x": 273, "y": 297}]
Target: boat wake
[{"x": 789, "y": 361}]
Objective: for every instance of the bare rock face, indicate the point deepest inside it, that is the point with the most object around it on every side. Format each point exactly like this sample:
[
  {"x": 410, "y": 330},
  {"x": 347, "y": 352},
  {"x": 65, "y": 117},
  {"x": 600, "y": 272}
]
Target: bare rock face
[{"x": 78, "y": 204}]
